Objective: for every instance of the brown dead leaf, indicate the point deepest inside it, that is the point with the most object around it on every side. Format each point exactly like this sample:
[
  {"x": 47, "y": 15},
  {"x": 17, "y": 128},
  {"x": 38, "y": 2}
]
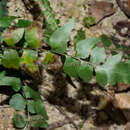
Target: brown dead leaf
[
  {"x": 122, "y": 101},
  {"x": 125, "y": 6},
  {"x": 122, "y": 87},
  {"x": 100, "y": 10}
]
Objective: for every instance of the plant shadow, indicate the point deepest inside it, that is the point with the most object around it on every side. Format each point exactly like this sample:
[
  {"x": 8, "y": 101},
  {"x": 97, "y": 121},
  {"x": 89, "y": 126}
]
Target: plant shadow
[
  {"x": 33, "y": 8},
  {"x": 84, "y": 102}
]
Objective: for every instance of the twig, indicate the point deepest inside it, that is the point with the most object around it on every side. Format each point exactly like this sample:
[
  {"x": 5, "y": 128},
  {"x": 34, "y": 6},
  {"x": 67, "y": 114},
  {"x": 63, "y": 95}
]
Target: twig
[{"x": 5, "y": 106}]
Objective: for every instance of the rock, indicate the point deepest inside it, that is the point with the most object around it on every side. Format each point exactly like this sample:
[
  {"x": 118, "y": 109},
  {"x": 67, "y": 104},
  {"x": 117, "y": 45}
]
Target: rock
[{"x": 122, "y": 101}]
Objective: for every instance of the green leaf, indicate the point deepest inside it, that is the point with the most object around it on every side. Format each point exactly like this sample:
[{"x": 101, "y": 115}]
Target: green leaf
[
  {"x": 6, "y": 21},
  {"x": 58, "y": 40},
  {"x": 49, "y": 58},
  {"x": 48, "y": 33},
  {"x": 107, "y": 73},
  {"x": 17, "y": 102},
  {"x": 28, "y": 61},
  {"x": 98, "y": 55},
  {"x": 1, "y": 39},
  {"x": 23, "y": 23},
  {"x": 123, "y": 72},
  {"x": 88, "y": 21},
  {"x": 1, "y": 55},
  {"x": 127, "y": 61},
  {"x": 85, "y": 71},
  {"x": 30, "y": 93},
  {"x": 19, "y": 121},
  {"x": 114, "y": 52},
  {"x": 2, "y": 74},
  {"x": 71, "y": 66},
  {"x": 10, "y": 59},
  {"x": 40, "y": 109},
  {"x": 106, "y": 40},
  {"x": 3, "y": 12},
  {"x": 31, "y": 106},
  {"x": 80, "y": 36},
  {"x": 84, "y": 47},
  {"x": 11, "y": 36},
  {"x": 11, "y": 81},
  {"x": 45, "y": 3},
  {"x": 3, "y": 8},
  {"x": 50, "y": 21},
  {"x": 38, "y": 121},
  {"x": 32, "y": 37},
  {"x": 37, "y": 105},
  {"x": 14, "y": 82}
]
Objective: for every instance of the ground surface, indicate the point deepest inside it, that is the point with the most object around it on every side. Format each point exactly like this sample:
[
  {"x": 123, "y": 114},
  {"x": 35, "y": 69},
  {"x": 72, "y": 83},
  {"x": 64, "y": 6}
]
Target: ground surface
[{"x": 81, "y": 106}]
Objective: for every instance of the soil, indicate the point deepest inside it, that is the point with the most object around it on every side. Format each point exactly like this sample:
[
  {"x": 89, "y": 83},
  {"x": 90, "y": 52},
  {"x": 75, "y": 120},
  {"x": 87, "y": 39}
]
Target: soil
[{"x": 74, "y": 105}]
